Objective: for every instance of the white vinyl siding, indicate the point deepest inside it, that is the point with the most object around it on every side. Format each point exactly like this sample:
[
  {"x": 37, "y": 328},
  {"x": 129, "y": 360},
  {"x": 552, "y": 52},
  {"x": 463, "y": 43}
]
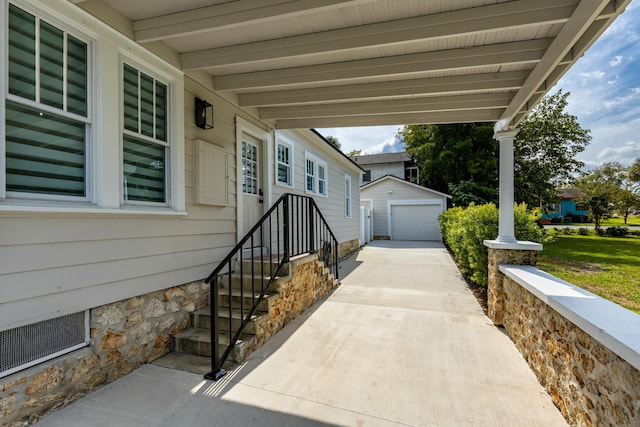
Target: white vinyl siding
[
  {"x": 47, "y": 126},
  {"x": 65, "y": 254}
]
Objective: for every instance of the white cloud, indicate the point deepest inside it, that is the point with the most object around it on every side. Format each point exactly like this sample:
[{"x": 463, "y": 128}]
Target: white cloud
[
  {"x": 595, "y": 74},
  {"x": 624, "y": 154},
  {"x": 617, "y": 60},
  {"x": 370, "y": 140}
]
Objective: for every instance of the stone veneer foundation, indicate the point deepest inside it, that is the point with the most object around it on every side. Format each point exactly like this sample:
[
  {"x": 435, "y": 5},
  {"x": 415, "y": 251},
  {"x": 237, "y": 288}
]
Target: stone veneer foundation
[
  {"x": 347, "y": 248},
  {"x": 124, "y": 335},
  {"x": 129, "y": 333},
  {"x": 308, "y": 282}
]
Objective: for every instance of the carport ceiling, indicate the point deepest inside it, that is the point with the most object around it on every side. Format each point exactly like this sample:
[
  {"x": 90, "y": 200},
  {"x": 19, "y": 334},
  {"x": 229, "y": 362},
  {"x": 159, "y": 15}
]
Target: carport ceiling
[{"x": 329, "y": 63}]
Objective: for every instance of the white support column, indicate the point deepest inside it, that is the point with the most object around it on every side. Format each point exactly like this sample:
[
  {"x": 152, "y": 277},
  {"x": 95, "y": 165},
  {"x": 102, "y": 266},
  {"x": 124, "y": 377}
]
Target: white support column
[{"x": 506, "y": 233}]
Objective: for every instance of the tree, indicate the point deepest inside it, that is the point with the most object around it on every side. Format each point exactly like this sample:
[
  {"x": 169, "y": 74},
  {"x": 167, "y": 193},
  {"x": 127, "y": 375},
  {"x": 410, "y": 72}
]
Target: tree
[
  {"x": 354, "y": 153},
  {"x": 634, "y": 171},
  {"x": 457, "y": 158},
  {"x": 334, "y": 141},
  {"x": 600, "y": 190},
  {"x": 462, "y": 158},
  {"x": 545, "y": 150}
]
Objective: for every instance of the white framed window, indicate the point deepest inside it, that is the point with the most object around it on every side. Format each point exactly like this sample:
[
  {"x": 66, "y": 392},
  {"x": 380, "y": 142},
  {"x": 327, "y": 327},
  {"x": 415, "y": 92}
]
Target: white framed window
[
  {"x": 47, "y": 122},
  {"x": 284, "y": 162},
  {"x": 317, "y": 174},
  {"x": 347, "y": 196},
  {"x": 64, "y": 107},
  {"x": 145, "y": 146}
]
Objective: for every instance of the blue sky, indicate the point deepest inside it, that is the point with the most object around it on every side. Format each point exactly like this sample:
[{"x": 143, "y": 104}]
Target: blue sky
[{"x": 605, "y": 96}]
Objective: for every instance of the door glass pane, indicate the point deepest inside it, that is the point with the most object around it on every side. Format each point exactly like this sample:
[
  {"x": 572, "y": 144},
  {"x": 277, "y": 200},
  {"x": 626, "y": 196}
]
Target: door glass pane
[
  {"x": 249, "y": 168},
  {"x": 45, "y": 153},
  {"x": 22, "y": 53},
  {"x": 51, "y": 65},
  {"x": 144, "y": 170}
]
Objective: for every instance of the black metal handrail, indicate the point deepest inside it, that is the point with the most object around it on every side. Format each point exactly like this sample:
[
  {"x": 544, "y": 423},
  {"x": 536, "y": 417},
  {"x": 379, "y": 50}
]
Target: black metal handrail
[{"x": 292, "y": 226}]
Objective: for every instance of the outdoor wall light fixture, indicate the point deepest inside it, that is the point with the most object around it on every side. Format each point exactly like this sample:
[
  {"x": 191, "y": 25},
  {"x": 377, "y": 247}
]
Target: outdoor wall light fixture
[{"x": 204, "y": 114}]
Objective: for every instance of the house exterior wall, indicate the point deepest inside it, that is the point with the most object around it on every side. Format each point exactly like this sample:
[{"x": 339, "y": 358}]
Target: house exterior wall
[
  {"x": 378, "y": 170},
  {"x": 379, "y": 193},
  {"x": 346, "y": 229},
  {"x": 60, "y": 258}
]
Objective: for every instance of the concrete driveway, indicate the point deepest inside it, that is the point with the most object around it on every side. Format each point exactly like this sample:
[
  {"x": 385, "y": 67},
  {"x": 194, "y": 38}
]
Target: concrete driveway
[{"x": 402, "y": 342}]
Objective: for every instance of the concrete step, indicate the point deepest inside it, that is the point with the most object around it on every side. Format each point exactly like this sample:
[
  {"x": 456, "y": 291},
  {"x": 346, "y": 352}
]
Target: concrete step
[
  {"x": 247, "y": 299},
  {"x": 190, "y": 363},
  {"x": 263, "y": 267},
  {"x": 236, "y": 317},
  {"x": 197, "y": 341},
  {"x": 250, "y": 283}
]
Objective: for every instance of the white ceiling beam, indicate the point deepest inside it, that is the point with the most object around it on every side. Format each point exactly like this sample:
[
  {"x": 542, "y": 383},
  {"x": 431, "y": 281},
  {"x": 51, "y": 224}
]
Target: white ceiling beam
[
  {"x": 571, "y": 33},
  {"x": 440, "y": 117},
  {"x": 228, "y": 15},
  {"x": 529, "y": 51},
  {"x": 456, "y": 23},
  {"x": 413, "y": 105},
  {"x": 428, "y": 86}
]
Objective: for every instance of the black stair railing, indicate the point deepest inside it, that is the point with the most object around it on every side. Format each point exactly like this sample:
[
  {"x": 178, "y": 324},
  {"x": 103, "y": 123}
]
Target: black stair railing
[{"x": 292, "y": 226}]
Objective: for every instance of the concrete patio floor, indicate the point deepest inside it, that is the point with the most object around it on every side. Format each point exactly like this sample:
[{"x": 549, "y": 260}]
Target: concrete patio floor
[{"x": 402, "y": 342}]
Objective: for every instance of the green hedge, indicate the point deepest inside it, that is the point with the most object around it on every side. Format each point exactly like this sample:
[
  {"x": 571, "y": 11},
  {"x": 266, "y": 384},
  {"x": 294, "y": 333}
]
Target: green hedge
[{"x": 465, "y": 229}]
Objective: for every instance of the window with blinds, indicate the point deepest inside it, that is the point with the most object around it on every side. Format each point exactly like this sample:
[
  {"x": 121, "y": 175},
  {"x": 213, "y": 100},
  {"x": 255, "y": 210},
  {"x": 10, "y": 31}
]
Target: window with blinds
[
  {"x": 144, "y": 141},
  {"x": 46, "y": 120}
]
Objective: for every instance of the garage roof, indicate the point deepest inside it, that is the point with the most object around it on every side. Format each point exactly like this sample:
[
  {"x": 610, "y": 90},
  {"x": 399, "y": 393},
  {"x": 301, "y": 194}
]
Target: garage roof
[
  {"x": 330, "y": 63},
  {"x": 402, "y": 181}
]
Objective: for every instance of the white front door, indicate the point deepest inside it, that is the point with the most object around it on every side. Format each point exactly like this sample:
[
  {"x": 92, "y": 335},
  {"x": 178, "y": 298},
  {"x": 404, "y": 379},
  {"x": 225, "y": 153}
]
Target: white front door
[{"x": 251, "y": 176}]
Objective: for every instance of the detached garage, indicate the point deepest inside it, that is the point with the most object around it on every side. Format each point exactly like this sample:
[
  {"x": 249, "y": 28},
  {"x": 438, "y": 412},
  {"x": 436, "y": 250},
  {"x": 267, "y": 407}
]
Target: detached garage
[{"x": 402, "y": 210}]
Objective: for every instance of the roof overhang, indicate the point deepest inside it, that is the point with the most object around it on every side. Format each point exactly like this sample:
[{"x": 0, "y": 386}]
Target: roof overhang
[{"x": 331, "y": 63}]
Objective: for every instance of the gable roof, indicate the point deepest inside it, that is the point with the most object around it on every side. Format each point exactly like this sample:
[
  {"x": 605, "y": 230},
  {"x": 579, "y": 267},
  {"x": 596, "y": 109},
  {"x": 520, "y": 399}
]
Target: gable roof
[
  {"x": 402, "y": 181},
  {"x": 569, "y": 193},
  {"x": 371, "y": 159}
]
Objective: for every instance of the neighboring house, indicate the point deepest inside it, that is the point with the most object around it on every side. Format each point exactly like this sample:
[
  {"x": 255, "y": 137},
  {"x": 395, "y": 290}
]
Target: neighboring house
[
  {"x": 400, "y": 165},
  {"x": 566, "y": 207},
  {"x": 110, "y": 192},
  {"x": 401, "y": 210}
]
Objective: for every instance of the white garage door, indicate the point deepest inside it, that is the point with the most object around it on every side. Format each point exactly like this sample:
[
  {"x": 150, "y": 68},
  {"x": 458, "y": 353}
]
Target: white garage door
[{"x": 415, "y": 222}]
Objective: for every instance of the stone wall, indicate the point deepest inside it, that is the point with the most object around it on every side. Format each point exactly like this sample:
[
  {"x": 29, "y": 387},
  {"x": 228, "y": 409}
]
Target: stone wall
[
  {"x": 347, "y": 248},
  {"x": 308, "y": 282},
  {"x": 495, "y": 292},
  {"x": 589, "y": 383},
  {"x": 124, "y": 335}
]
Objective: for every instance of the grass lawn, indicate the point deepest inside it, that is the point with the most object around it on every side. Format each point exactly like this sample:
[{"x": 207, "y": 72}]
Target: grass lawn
[
  {"x": 607, "y": 266},
  {"x": 609, "y": 222}
]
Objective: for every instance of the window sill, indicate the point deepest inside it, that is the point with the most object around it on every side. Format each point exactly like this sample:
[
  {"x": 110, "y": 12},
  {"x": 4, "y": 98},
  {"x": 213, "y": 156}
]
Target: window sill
[{"x": 90, "y": 210}]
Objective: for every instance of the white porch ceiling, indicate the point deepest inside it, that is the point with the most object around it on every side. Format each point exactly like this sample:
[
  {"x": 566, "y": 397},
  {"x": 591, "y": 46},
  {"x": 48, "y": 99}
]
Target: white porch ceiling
[{"x": 330, "y": 63}]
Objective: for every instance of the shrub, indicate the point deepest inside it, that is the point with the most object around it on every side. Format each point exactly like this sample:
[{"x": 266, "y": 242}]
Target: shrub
[
  {"x": 465, "y": 229},
  {"x": 567, "y": 231},
  {"x": 583, "y": 231},
  {"x": 617, "y": 231}
]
